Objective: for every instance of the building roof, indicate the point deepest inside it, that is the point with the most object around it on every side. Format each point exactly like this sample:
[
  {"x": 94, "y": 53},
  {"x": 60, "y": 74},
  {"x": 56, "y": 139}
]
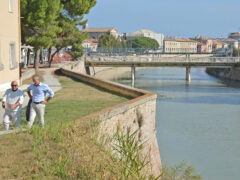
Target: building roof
[
  {"x": 91, "y": 41},
  {"x": 226, "y": 39},
  {"x": 236, "y": 34},
  {"x": 217, "y": 43},
  {"x": 89, "y": 30},
  {"x": 179, "y": 40},
  {"x": 142, "y": 31}
]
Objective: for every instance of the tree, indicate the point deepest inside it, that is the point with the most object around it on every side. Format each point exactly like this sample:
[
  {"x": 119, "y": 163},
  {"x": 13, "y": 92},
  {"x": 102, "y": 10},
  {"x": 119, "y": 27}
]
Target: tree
[
  {"x": 106, "y": 41},
  {"x": 54, "y": 23},
  {"x": 69, "y": 36},
  {"x": 236, "y": 52},
  {"x": 143, "y": 43},
  {"x": 69, "y": 20},
  {"x": 39, "y": 27}
]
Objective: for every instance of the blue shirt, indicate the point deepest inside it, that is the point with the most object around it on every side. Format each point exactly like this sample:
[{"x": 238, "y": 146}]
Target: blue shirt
[{"x": 40, "y": 91}]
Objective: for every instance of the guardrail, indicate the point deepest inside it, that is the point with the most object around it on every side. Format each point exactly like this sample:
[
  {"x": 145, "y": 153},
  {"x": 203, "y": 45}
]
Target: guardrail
[{"x": 163, "y": 59}]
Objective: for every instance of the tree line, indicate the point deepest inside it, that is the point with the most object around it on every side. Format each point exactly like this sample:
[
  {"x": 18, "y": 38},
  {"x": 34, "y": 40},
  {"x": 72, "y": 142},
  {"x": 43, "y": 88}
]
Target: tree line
[
  {"x": 109, "y": 42},
  {"x": 54, "y": 23}
]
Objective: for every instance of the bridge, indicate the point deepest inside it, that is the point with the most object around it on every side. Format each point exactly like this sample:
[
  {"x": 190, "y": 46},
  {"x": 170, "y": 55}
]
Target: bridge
[{"x": 159, "y": 61}]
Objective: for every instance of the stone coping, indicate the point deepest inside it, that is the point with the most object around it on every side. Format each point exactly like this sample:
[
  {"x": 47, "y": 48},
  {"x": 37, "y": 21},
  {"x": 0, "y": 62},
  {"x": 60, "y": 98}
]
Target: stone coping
[{"x": 138, "y": 96}]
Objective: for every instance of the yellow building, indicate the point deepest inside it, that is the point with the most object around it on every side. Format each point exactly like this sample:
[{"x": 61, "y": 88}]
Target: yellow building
[
  {"x": 96, "y": 33},
  {"x": 179, "y": 45},
  {"x": 10, "y": 42}
]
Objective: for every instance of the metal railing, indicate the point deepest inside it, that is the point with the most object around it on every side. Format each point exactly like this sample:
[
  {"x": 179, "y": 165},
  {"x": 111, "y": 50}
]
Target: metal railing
[
  {"x": 179, "y": 59},
  {"x": 143, "y": 51}
]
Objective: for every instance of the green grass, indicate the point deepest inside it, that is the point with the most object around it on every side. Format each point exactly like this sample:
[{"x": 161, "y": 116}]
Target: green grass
[
  {"x": 182, "y": 171},
  {"x": 66, "y": 148},
  {"x": 69, "y": 148}
]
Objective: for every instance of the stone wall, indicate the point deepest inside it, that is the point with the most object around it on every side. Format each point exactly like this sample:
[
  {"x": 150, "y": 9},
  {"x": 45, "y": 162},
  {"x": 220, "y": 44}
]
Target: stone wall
[
  {"x": 136, "y": 114},
  {"x": 225, "y": 73},
  {"x": 78, "y": 66},
  {"x": 28, "y": 74}
]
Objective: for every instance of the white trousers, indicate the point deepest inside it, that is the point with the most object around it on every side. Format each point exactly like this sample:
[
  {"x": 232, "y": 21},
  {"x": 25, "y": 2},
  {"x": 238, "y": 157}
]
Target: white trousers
[
  {"x": 36, "y": 109},
  {"x": 14, "y": 116}
]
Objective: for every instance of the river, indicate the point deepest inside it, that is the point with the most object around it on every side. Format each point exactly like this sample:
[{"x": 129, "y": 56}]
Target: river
[{"x": 197, "y": 122}]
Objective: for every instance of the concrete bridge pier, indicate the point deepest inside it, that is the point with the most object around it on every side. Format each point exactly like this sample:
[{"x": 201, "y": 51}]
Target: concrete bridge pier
[
  {"x": 133, "y": 74},
  {"x": 188, "y": 74}
]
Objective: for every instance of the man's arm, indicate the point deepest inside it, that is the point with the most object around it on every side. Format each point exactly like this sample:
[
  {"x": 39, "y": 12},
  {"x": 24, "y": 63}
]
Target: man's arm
[
  {"x": 21, "y": 100},
  {"x": 29, "y": 94},
  {"x": 13, "y": 106},
  {"x": 3, "y": 104},
  {"x": 48, "y": 99},
  {"x": 28, "y": 91},
  {"x": 51, "y": 94},
  {"x": 4, "y": 99}
]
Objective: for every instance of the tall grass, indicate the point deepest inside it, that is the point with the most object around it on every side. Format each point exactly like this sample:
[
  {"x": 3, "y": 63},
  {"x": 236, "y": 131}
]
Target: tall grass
[
  {"x": 181, "y": 171},
  {"x": 127, "y": 150}
]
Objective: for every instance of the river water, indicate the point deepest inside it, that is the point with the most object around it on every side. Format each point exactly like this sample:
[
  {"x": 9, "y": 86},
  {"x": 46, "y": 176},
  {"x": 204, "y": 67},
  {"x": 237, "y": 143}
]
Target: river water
[{"x": 197, "y": 122}]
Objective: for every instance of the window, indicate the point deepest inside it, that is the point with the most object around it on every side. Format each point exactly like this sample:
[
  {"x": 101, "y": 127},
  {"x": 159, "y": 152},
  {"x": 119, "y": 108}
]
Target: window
[
  {"x": 10, "y": 8},
  {"x": 13, "y": 62}
]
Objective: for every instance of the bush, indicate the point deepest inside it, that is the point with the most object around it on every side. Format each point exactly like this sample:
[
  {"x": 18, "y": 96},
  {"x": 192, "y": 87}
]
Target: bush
[{"x": 143, "y": 43}]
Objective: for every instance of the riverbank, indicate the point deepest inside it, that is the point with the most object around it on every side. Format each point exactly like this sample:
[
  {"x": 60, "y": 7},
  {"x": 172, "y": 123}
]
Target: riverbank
[
  {"x": 232, "y": 74},
  {"x": 114, "y": 73}
]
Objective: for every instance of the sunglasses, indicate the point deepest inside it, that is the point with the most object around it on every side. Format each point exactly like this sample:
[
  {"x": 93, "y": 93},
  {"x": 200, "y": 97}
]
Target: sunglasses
[{"x": 14, "y": 85}]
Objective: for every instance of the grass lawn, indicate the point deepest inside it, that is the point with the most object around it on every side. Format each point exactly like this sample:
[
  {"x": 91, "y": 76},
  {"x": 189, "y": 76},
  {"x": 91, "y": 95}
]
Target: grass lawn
[{"x": 64, "y": 149}]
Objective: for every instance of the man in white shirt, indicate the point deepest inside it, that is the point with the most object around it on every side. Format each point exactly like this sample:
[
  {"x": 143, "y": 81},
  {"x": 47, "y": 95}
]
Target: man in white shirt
[{"x": 12, "y": 103}]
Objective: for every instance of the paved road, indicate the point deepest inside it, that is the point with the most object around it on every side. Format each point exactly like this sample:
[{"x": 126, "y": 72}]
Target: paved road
[{"x": 49, "y": 79}]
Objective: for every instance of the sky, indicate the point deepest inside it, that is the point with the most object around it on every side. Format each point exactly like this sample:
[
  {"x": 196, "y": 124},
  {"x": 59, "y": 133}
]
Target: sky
[{"x": 180, "y": 18}]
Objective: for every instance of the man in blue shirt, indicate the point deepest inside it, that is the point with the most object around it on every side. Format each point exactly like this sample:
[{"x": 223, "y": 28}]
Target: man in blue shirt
[{"x": 39, "y": 101}]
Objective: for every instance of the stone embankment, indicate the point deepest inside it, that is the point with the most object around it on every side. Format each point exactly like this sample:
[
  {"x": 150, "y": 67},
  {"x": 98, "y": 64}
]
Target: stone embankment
[
  {"x": 225, "y": 73},
  {"x": 137, "y": 114}
]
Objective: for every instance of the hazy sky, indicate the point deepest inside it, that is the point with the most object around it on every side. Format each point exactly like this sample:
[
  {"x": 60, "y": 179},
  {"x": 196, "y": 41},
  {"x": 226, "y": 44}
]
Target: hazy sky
[{"x": 182, "y": 18}]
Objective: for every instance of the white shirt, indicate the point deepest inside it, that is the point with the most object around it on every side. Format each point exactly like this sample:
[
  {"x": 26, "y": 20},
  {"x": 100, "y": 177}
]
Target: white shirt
[{"x": 13, "y": 97}]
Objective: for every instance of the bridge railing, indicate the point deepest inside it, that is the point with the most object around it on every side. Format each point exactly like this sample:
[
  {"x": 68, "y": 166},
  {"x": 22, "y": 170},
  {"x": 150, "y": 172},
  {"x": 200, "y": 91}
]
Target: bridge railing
[
  {"x": 217, "y": 59},
  {"x": 163, "y": 59},
  {"x": 143, "y": 51}
]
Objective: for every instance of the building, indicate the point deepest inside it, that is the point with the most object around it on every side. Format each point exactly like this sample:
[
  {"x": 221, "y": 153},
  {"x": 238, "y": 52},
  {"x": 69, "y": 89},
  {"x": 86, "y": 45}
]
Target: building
[
  {"x": 96, "y": 33},
  {"x": 232, "y": 43},
  {"x": 10, "y": 42},
  {"x": 90, "y": 45},
  {"x": 228, "y": 45},
  {"x": 217, "y": 46},
  {"x": 179, "y": 45},
  {"x": 205, "y": 46},
  {"x": 235, "y": 35},
  {"x": 147, "y": 33}
]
